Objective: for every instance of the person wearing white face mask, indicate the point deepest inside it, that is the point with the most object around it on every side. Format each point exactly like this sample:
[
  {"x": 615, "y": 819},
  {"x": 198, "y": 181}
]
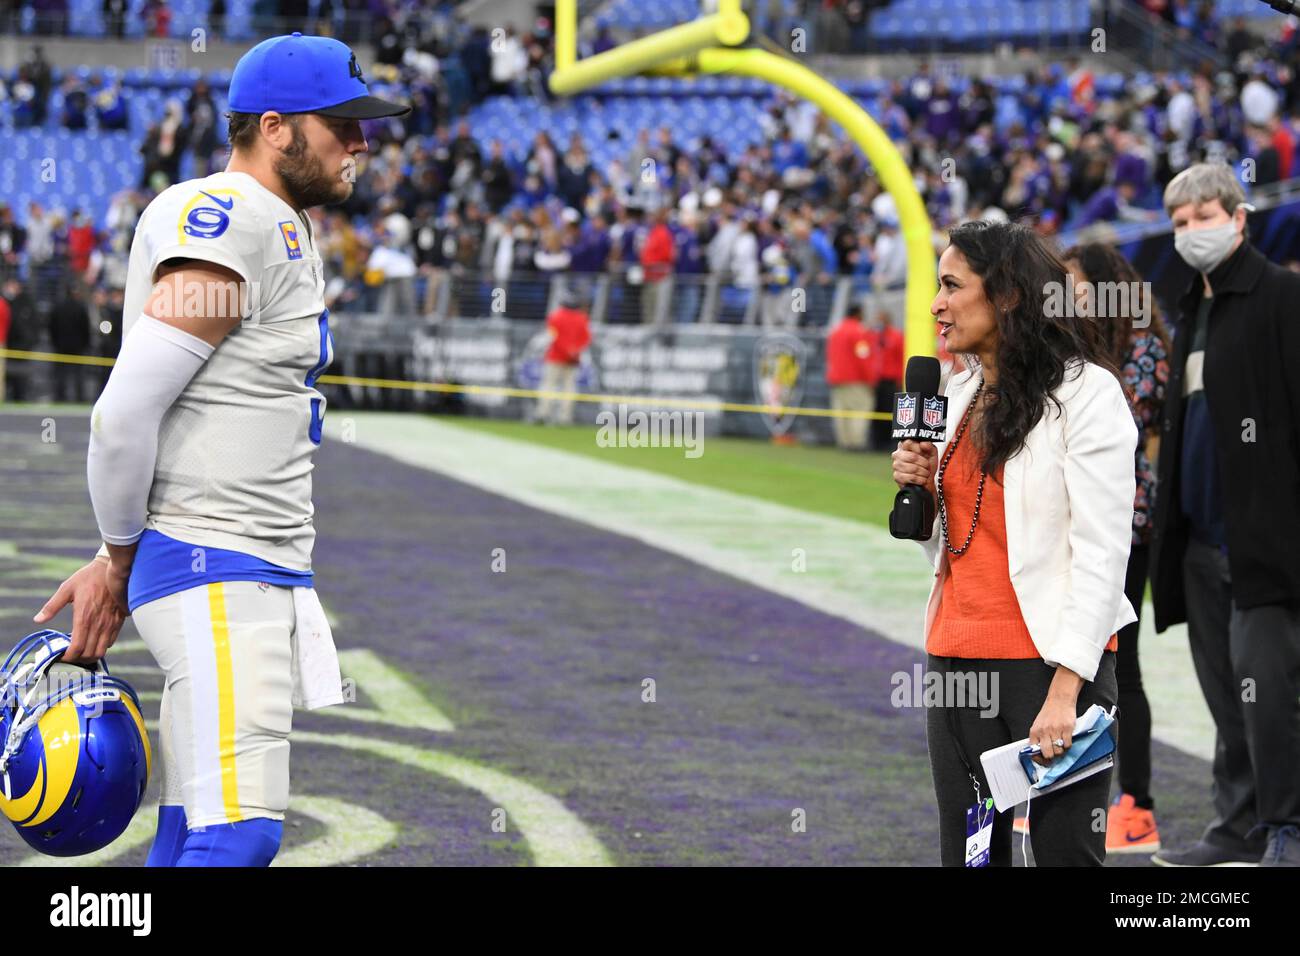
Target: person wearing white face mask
[
  {"x": 1227, "y": 518},
  {"x": 1204, "y": 242}
]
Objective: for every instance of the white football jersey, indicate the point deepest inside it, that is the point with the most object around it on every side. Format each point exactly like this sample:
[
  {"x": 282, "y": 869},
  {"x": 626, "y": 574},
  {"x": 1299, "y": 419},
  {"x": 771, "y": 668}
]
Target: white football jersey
[{"x": 235, "y": 450}]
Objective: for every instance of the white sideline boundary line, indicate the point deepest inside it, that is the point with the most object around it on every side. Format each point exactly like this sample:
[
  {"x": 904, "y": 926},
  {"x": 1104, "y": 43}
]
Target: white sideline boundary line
[{"x": 854, "y": 571}]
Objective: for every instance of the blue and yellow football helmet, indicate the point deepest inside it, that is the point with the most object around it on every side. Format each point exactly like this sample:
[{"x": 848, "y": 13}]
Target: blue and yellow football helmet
[{"x": 76, "y": 757}]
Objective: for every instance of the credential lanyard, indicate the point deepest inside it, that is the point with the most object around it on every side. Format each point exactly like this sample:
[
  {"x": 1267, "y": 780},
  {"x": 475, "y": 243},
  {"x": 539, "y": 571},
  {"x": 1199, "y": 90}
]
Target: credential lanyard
[{"x": 959, "y": 743}]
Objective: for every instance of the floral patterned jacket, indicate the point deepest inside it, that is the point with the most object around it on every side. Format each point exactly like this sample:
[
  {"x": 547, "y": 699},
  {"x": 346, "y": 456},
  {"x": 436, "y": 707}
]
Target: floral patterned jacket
[{"x": 1145, "y": 373}]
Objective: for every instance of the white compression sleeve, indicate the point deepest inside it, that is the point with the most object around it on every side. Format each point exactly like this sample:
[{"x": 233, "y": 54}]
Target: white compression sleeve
[{"x": 155, "y": 364}]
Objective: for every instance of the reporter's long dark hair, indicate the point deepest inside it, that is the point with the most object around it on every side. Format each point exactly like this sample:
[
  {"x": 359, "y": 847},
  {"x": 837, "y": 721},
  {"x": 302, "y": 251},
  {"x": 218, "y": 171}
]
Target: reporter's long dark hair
[{"x": 1019, "y": 271}]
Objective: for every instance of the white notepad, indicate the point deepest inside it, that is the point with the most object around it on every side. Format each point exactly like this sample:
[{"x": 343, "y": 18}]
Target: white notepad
[{"x": 1007, "y": 778}]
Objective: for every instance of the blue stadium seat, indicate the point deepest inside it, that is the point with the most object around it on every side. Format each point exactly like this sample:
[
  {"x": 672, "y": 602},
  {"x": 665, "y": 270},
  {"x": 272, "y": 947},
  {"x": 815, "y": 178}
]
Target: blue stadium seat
[
  {"x": 93, "y": 165},
  {"x": 977, "y": 22}
]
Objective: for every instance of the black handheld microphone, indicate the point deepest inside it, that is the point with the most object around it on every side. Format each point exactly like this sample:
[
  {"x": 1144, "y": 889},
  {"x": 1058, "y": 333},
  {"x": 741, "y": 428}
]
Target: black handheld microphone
[{"x": 920, "y": 413}]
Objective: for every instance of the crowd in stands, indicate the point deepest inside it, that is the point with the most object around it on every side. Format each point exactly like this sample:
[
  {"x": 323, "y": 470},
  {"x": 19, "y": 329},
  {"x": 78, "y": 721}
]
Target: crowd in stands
[
  {"x": 831, "y": 26},
  {"x": 801, "y": 209}
]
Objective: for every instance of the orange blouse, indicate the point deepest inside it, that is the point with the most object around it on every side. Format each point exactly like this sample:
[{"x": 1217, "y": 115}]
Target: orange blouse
[{"x": 978, "y": 614}]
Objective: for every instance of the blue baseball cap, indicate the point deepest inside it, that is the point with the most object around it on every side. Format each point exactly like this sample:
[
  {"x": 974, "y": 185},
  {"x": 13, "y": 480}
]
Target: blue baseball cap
[{"x": 305, "y": 74}]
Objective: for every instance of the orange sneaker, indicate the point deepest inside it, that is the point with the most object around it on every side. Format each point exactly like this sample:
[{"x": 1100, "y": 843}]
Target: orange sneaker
[{"x": 1129, "y": 828}]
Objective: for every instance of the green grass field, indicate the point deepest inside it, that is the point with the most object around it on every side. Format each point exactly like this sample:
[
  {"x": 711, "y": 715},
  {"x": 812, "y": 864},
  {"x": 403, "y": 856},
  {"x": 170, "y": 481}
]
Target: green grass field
[
  {"x": 824, "y": 480},
  {"x": 821, "y": 479},
  {"x": 482, "y": 693}
]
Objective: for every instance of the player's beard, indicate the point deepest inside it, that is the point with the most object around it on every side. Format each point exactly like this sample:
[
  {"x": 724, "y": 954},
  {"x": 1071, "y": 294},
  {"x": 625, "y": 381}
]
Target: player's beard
[{"x": 305, "y": 178}]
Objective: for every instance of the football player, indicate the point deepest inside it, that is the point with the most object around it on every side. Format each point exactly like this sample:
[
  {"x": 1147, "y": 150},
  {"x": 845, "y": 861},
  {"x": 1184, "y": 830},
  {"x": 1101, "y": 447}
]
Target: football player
[{"x": 201, "y": 450}]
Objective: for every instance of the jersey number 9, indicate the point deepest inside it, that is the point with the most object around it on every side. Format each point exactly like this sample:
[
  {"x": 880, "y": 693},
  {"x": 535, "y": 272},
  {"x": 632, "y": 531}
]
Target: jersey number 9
[{"x": 204, "y": 222}]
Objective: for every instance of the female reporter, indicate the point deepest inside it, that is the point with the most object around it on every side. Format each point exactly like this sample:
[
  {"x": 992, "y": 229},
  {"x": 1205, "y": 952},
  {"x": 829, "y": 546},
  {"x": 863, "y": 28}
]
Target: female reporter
[{"x": 1030, "y": 544}]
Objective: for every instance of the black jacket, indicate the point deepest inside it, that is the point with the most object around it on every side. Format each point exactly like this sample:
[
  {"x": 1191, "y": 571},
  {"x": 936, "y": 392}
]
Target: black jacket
[
  {"x": 70, "y": 327},
  {"x": 1252, "y": 390},
  {"x": 24, "y": 327}
]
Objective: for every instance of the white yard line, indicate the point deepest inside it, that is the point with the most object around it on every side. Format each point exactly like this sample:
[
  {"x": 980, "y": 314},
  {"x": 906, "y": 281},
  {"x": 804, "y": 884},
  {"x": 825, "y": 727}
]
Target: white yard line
[{"x": 853, "y": 570}]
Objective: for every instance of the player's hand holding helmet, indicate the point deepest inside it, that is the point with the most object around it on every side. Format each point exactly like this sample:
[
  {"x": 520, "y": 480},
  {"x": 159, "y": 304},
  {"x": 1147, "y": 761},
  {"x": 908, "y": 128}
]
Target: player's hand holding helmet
[{"x": 75, "y": 761}]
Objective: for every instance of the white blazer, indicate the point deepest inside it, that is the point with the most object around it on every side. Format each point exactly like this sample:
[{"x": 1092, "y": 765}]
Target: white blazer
[{"x": 1069, "y": 513}]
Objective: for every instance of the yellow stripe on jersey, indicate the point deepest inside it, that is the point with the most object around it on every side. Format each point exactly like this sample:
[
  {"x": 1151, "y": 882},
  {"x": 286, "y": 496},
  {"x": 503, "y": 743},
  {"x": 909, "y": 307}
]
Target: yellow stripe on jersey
[
  {"x": 185, "y": 213},
  {"x": 225, "y": 701}
]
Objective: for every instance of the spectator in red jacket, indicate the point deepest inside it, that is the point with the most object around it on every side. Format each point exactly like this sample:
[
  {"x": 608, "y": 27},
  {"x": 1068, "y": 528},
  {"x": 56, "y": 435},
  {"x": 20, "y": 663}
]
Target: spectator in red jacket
[
  {"x": 81, "y": 242},
  {"x": 158, "y": 18},
  {"x": 888, "y": 369},
  {"x": 570, "y": 333},
  {"x": 1281, "y": 140},
  {"x": 849, "y": 372},
  {"x": 657, "y": 257}
]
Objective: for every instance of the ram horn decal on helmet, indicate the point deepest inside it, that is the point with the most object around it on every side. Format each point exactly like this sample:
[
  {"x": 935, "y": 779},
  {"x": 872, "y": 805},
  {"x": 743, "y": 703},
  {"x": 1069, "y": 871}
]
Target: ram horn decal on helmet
[{"x": 75, "y": 760}]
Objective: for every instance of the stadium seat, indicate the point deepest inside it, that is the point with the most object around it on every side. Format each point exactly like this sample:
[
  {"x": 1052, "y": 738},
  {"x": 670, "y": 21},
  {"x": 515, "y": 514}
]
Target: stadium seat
[{"x": 692, "y": 107}]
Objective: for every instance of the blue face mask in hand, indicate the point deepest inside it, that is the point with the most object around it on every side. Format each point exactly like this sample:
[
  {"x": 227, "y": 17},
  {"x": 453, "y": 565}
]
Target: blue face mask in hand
[{"x": 1087, "y": 747}]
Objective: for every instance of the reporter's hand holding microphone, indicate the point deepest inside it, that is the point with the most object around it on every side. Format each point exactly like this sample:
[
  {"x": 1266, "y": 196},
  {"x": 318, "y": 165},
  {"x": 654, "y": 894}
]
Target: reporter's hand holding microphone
[
  {"x": 915, "y": 463},
  {"x": 920, "y": 418}
]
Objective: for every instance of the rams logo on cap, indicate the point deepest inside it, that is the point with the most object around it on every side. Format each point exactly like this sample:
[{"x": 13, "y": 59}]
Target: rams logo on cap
[{"x": 290, "y": 236}]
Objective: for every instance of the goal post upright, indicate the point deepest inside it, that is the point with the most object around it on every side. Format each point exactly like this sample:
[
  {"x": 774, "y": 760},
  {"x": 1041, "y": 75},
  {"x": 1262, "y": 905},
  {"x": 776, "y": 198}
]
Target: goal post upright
[{"x": 711, "y": 45}]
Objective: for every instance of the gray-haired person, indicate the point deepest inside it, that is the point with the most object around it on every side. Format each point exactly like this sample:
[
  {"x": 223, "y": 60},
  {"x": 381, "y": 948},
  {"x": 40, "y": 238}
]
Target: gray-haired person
[{"x": 1227, "y": 517}]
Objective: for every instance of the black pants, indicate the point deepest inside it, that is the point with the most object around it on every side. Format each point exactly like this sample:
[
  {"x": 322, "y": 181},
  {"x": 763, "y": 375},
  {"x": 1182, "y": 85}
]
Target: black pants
[
  {"x": 1134, "y": 742},
  {"x": 69, "y": 382},
  {"x": 882, "y": 429},
  {"x": 15, "y": 382},
  {"x": 1248, "y": 665},
  {"x": 1062, "y": 825}
]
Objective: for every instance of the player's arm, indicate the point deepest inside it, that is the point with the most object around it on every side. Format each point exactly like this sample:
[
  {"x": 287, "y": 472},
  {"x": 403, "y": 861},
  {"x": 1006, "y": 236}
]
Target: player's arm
[
  {"x": 181, "y": 343},
  {"x": 166, "y": 347},
  {"x": 163, "y": 351},
  {"x": 177, "y": 278}
]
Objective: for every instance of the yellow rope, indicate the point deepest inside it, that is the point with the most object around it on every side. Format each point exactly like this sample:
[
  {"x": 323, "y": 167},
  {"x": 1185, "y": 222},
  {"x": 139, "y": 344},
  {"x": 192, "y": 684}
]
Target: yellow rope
[{"x": 402, "y": 385}]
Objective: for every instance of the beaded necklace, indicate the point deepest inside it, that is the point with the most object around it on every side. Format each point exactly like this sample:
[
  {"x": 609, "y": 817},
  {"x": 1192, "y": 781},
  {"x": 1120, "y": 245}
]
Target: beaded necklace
[{"x": 979, "y": 491}]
